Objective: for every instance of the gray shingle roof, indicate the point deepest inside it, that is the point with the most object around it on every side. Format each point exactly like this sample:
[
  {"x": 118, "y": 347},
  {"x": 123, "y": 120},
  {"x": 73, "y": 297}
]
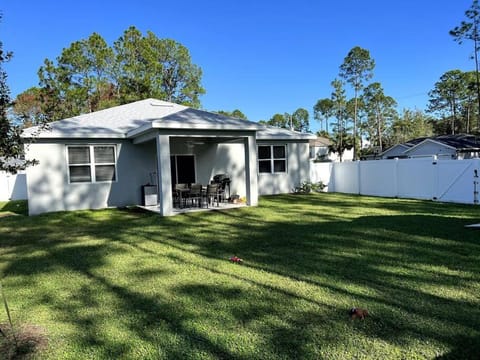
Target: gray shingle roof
[
  {"x": 274, "y": 133},
  {"x": 457, "y": 141},
  {"x": 132, "y": 119}
]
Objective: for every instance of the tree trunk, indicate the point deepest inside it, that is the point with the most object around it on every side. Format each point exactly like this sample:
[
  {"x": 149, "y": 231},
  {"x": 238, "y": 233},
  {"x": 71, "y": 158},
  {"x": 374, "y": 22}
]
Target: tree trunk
[
  {"x": 355, "y": 127},
  {"x": 477, "y": 76}
]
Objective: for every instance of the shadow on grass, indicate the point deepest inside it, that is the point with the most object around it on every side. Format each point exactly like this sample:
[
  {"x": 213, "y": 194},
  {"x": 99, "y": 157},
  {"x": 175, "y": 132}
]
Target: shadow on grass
[
  {"x": 468, "y": 348},
  {"x": 14, "y": 207},
  {"x": 394, "y": 265}
]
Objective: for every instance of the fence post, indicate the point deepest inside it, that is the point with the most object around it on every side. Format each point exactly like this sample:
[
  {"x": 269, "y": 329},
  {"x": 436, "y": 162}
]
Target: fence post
[
  {"x": 395, "y": 177},
  {"x": 331, "y": 178},
  {"x": 436, "y": 180},
  {"x": 476, "y": 184},
  {"x": 359, "y": 177}
]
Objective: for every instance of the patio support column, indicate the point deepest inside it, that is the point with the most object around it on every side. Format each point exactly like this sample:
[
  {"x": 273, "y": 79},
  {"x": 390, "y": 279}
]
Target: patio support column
[
  {"x": 250, "y": 145},
  {"x": 164, "y": 180}
]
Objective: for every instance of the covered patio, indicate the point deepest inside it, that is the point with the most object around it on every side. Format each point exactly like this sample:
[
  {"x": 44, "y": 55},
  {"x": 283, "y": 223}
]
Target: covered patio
[{"x": 194, "y": 155}]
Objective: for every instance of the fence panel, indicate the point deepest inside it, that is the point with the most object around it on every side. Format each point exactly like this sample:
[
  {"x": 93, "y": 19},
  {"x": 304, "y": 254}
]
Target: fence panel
[
  {"x": 321, "y": 172},
  {"x": 345, "y": 177},
  {"x": 378, "y": 178},
  {"x": 416, "y": 178},
  {"x": 456, "y": 180},
  {"x": 13, "y": 187},
  {"x": 422, "y": 178}
]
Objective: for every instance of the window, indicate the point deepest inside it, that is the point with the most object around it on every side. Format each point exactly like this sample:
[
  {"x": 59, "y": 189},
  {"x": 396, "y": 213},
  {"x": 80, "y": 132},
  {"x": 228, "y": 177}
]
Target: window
[
  {"x": 272, "y": 159},
  {"x": 91, "y": 163}
]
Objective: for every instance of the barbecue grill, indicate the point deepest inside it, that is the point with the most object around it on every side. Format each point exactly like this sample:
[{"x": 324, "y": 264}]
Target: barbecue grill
[{"x": 223, "y": 180}]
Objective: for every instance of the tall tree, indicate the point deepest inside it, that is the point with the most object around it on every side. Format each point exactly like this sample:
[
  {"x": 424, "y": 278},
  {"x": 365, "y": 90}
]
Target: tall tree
[
  {"x": 470, "y": 30},
  {"x": 380, "y": 111},
  {"x": 11, "y": 143},
  {"x": 82, "y": 79},
  {"x": 277, "y": 120},
  {"x": 323, "y": 110},
  {"x": 447, "y": 97},
  {"x": 470, "y": 104},
  {"x": 235, "y": 113},
  {"x": 300, "y": 120},
  {"x": 27, "y": 108},
  {"x": 90, "y": 75},
  {"x": 410, "y": 124},
  {"x": 340, "y": 139},
  {"x": 357, "y": 68},
  {"x": 160, "y": 68},
  {"x": 131, "y": 67}
]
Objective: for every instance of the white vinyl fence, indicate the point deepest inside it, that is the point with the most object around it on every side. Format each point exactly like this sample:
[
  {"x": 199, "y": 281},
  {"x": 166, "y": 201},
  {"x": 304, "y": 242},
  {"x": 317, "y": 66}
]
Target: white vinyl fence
[
  {"x": 423, "y": 178},
  {"x": 13, "y": 187}
]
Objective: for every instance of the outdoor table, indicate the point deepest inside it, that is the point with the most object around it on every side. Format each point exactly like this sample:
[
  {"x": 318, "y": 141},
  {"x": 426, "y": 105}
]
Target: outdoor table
[{"x": 181, "y": 194}]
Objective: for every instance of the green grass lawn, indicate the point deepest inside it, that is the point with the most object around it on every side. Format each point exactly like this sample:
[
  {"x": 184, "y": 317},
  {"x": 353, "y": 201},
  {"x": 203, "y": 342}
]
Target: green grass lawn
[{"x": 124, "y": 284}]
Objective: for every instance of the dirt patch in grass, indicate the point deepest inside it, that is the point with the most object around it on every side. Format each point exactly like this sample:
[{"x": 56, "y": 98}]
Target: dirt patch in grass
[{"x": 29, "y": 341}]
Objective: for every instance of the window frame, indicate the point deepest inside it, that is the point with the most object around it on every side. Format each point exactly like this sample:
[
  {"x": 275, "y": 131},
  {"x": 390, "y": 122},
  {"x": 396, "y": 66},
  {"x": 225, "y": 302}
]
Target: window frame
[
  {"x": 272, "y": 158},
  {"x": 92, "y": 164}
]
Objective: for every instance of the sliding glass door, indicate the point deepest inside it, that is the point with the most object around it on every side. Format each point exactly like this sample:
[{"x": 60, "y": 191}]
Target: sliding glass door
[{"x": 183, "y": 169}]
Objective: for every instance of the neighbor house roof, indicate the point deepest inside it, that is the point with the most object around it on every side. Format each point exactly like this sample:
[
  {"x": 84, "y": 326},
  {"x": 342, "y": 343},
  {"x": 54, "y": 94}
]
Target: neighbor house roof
[
  {"x": 395, "y": 150},
  {"x": 320, "y": 142},
  {"x": 458, "y": 142},
  {"x": 133, "y": 119},
  {"x": 426, "y": 141}
]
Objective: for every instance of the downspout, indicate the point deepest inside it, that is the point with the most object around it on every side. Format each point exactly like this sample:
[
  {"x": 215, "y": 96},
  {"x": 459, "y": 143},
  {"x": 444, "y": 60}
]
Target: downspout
[{"x": 475, "y": 187}]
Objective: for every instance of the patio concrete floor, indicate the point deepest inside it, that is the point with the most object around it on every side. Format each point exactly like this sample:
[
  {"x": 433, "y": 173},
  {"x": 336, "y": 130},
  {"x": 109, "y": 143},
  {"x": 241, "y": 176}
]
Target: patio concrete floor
[{"x": 177, "y": 211}]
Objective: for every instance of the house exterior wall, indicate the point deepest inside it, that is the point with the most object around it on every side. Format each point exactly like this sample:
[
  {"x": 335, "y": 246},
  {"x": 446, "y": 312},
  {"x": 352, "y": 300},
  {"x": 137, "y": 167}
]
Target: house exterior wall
[
  {"x": 317, "y": 152},
  {"x": 223, "y": 159},
  {"x": 395, "y": 151},
  {"x": 431, "y": 148},
  {"x": 48, "y": 185},
  {"x": 49, "y": 189},
  {"x": 298, "y": 169},
  {"x": 213, "y": 159}
]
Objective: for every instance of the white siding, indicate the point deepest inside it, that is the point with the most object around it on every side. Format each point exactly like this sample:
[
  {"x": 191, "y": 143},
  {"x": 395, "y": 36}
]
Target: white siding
[
  {"x": 298, "y": 170},
  {"x": 430, "y": 148},
  {"x": 49, "y": 188}
]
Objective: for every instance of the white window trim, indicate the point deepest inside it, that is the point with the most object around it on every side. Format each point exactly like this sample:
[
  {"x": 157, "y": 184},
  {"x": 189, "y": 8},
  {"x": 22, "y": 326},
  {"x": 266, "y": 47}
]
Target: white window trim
[
  {"x": 272, "y": 159},
  {"x": 92, "y": 163}
]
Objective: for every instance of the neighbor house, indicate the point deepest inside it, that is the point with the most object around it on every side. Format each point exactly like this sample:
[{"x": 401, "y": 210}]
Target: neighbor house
[
  {"x": 320, "y": 151},
  {"x": 460, "y": 146},
  {"x": 102, "y": 159},
  {"x": 319, "y": 148}
]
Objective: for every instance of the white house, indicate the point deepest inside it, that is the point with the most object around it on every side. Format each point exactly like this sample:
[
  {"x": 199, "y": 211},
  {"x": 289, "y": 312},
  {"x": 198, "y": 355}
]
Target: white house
[
  {"x": 319, "y": 148},
  {"x": 319, "y": 151},
  {"x": 102, "y": 159}
]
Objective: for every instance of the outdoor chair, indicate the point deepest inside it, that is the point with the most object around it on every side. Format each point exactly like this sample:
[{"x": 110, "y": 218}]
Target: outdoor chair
[
  {"x": 181, "y": 194},
  {"x": 221, "y": 192},
  {"x": 213, "y": 194},
  {"x": 196, "y": 195}
]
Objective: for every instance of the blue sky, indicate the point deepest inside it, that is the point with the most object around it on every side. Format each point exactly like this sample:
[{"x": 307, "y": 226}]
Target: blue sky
[{"x": 262, "y": 57}]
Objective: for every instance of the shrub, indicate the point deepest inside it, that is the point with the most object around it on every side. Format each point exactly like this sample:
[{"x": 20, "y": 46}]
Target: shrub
[{"x": 306, "y": 187}]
